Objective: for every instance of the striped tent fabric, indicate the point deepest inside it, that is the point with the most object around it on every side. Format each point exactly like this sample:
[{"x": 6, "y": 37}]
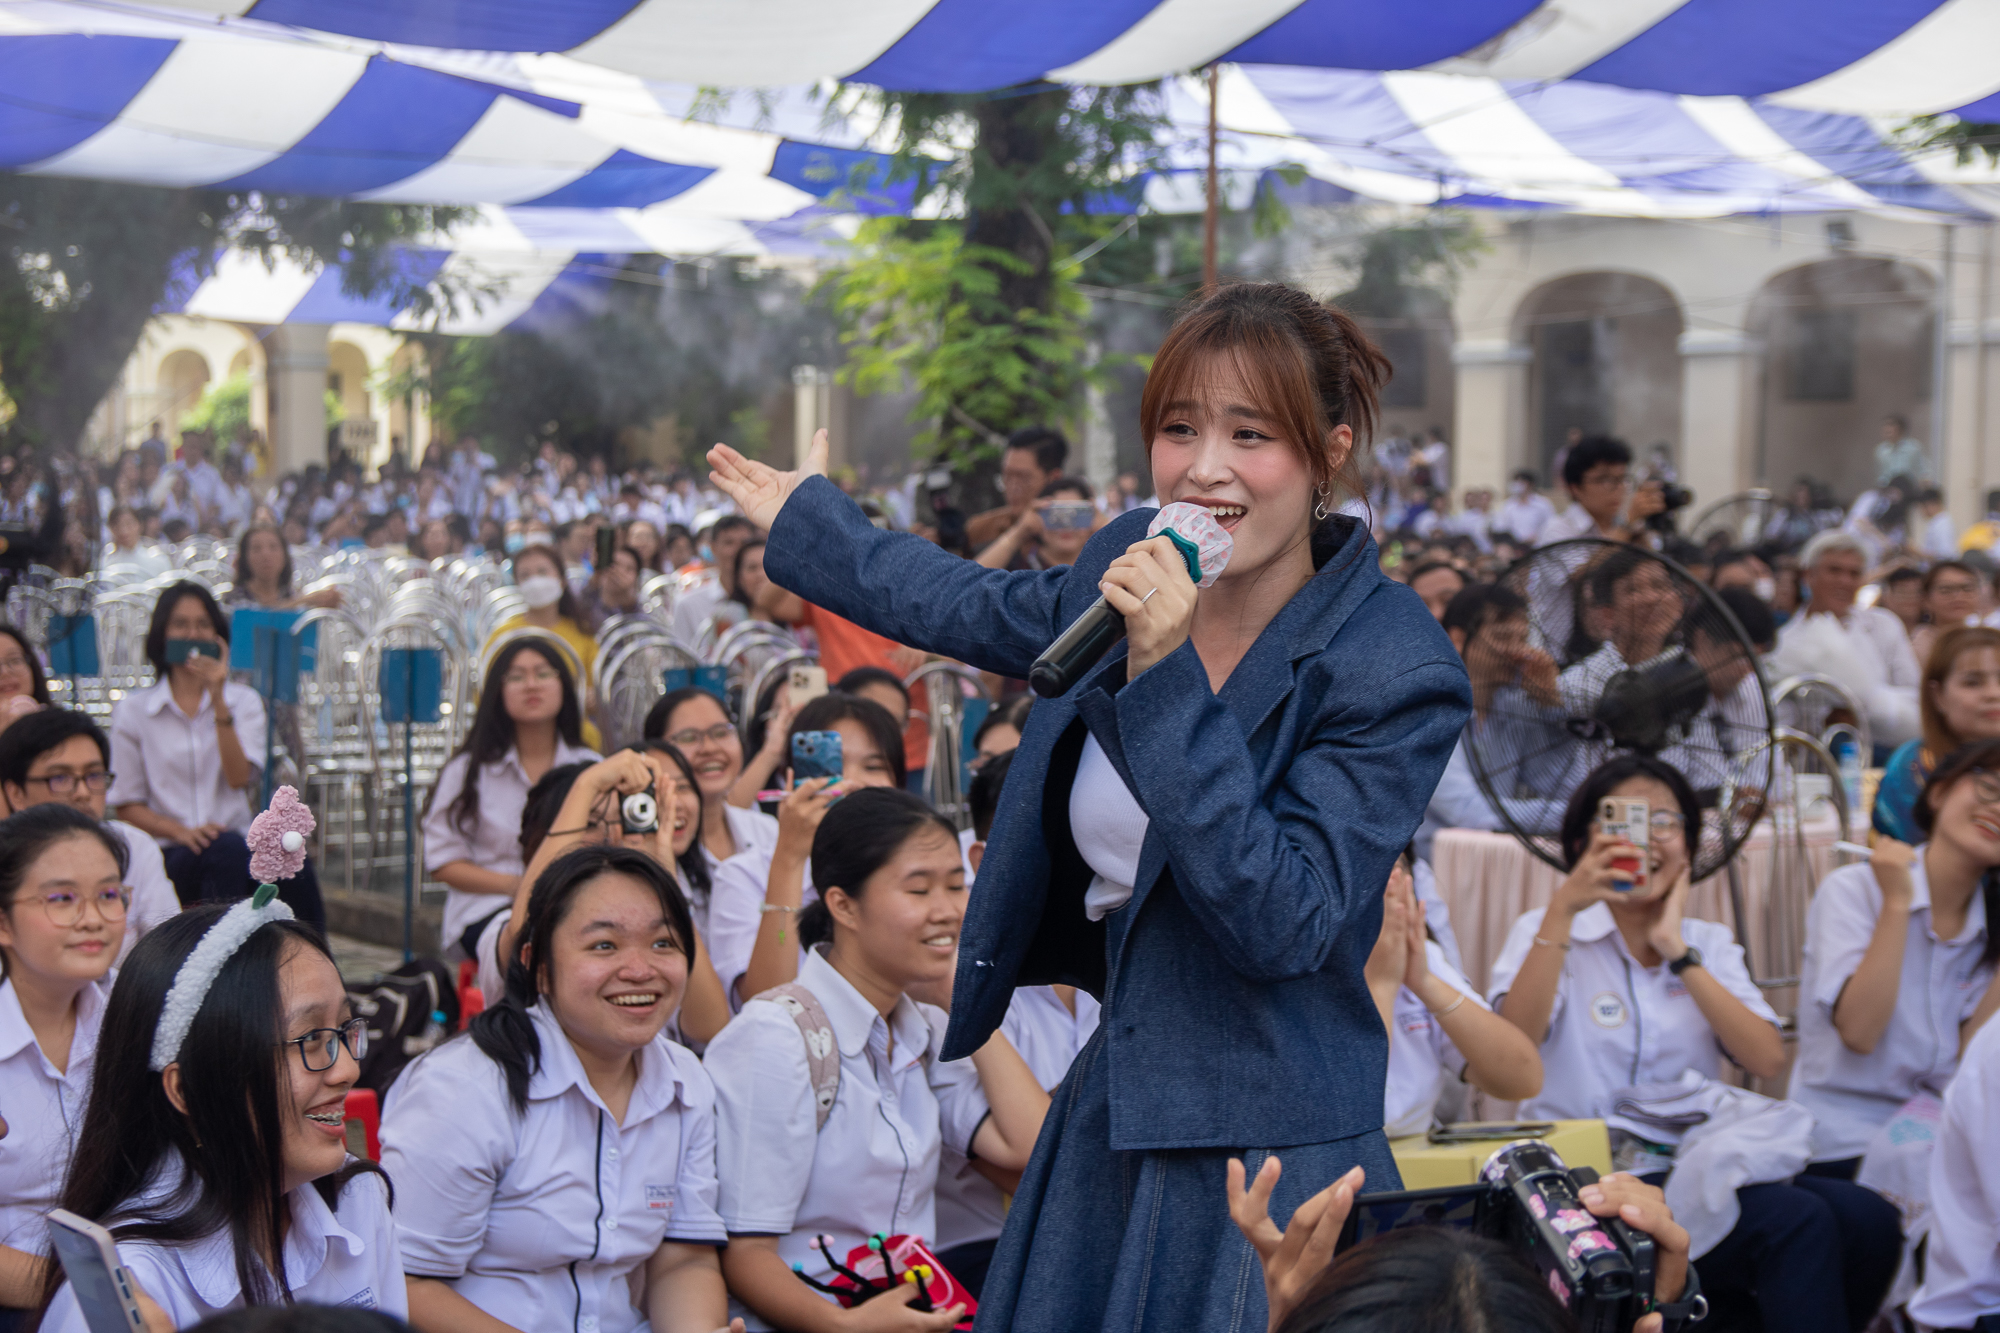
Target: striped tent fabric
[{"x": 588, "y": 130}]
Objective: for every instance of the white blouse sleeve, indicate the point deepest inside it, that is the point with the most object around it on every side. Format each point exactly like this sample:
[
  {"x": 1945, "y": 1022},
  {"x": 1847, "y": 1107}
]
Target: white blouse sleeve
[
  {"x": 1723, "y": 959},
  {"x": 697, "y": 1193},
  {"x": 735, "y": 911},
  {"x": 766, "y": 1123},
  {"x": 1839, "y": 925},
  {"x": 1520, "y": 939},
  {"x": 448, "y": 1137},
  {"x": 962, "y": 1104},
  {"x": 443, "y": 840}
]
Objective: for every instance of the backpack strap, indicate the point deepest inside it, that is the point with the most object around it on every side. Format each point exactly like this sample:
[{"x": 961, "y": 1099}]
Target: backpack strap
[{"x": 822, "y": 1052}]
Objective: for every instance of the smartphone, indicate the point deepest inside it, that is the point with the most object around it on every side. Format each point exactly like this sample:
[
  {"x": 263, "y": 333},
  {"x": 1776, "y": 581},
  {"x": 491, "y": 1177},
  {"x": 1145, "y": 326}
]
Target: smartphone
[
  {"x": 1068, "y": 516},
  {"x": 807, "y": 683},
  {"x": 816, "y": 754},
  {"x": 607, "y": 542},
  {"x": 1632, "y": 821},
  {"x": 180, "y": 650},
  {"x": 1479, "y": 1131},
  {"x": 103, "y": 1288}
]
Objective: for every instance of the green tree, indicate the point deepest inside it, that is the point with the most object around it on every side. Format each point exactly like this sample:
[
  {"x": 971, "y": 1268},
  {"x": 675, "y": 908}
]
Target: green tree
[
  {"x": 224, "y": 409},
  {"x": 88, "y": 262},
  {"x": 982, "y": 317}
]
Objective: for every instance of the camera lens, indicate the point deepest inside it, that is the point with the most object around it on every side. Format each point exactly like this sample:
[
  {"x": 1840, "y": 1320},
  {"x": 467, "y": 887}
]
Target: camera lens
[{"x": 640, "y": 813}]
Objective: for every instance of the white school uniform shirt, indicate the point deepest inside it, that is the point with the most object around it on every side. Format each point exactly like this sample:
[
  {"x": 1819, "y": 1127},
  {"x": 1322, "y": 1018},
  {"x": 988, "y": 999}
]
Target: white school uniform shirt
[
  {"x": 1962, "y": 1270},
  {"x": 1852, "y": 1095},
  {"x": 1049, "y": 1037},
  {"x": 736, "y": 910},
  {"x": 44, "y": 1109},
  {"x": 153, "y": 896},
  {"x": 756, "y": 836},
  {"x": 1614, "y": 1022},
  {"x": 170, "y": 763},
  {"x": 345, "y": 1256},
  {"x": 493, "y": 841},
  {"x": 873, "y": 1168},
  {"x": 540, "y": 1219},
  {"x": 1421, "y": 1056}
]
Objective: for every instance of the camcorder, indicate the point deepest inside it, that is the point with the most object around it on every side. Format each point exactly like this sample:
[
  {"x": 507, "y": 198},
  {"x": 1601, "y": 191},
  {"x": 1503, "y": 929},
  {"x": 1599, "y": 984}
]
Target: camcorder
[{"x": 1600, "y": 1267}]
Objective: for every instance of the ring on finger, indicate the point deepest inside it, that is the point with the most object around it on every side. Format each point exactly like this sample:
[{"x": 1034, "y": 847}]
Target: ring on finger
[{"x": 1148, "y": 597}]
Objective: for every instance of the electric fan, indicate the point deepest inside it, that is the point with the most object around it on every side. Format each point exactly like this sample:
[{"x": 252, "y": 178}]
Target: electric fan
[
  {"x": 1618, "y": 650},
  {"x": 1738, "y": 521}
]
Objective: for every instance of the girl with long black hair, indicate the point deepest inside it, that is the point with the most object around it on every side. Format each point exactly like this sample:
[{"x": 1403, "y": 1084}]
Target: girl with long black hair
[
  {"x": 529, "y": 720},
  {"x": 218, "y": 1149},
  {"x": 558, "y": 1164}
]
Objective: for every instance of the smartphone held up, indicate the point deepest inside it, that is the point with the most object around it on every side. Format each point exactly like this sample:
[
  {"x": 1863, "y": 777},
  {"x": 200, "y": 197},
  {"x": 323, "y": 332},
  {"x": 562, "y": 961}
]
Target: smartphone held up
[{"x": 1631, "y": 821}]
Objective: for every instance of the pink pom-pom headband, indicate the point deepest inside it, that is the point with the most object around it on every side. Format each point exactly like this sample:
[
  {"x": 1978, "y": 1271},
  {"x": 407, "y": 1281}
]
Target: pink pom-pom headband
[{"x": 277, "y": 841}]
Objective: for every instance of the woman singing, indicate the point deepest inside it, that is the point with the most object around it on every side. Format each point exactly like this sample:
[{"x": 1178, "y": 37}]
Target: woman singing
[{"x": 1198, "y": 832}]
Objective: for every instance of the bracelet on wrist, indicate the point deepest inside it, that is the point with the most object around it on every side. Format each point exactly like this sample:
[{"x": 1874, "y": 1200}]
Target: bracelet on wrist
[
  {"x": 1564, "y": 945},
  {"x": 1446, "y": 1011}
]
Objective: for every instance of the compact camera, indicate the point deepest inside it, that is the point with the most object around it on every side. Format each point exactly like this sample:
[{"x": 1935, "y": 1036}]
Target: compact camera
[
  {"x": 639, "y": 813},
  {"x": 1600, "y": 1267}
]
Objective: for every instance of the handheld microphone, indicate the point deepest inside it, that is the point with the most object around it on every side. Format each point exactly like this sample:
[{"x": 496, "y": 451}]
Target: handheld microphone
[{"x": 1201, "y": 542}]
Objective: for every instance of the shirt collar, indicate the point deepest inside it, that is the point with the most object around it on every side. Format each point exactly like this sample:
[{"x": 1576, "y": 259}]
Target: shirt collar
[
  {"x": 660, "y": 1083},
  {"x": 210, "y": 1262},
  {"x": 853, "y": 1017},
  {"x": 1593, "y": 923},
  {"x": 16, "y": 1036}
]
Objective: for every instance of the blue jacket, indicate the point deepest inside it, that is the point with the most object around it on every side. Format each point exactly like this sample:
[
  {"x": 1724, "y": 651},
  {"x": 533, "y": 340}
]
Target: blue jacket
[{"x": 1235, "y": 1012}]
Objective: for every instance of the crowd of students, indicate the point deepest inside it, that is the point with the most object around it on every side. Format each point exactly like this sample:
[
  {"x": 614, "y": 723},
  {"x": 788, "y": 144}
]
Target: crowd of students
[{"x": 708, "y": 1071}]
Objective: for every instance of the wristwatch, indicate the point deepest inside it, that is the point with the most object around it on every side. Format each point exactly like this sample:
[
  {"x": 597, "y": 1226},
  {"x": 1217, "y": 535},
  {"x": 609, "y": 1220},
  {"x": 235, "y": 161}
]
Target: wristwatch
[{"x": 1692, "y": 958}]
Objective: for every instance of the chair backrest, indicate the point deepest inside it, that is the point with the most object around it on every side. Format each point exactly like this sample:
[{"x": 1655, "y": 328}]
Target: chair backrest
[
  {"x": 1772, "y": 932},
  {"x": 1811, "y": 703},
  {"x": 631, "y": 678},
  {"x": 940, "y": 691}
]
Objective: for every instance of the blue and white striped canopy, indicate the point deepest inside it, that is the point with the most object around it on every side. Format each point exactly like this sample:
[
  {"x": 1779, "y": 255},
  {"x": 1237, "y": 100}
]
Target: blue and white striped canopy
[{"x": 582, "y": 130}]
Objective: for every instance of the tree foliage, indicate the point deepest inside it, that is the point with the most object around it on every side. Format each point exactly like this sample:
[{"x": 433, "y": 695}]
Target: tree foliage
[
  {"x": 981, "y": 316},
  {"x": 1944, "y": 130},
  {"x": 1397, "y": 265},
  {"x": 224, "y": 409},
  {"x": 86, "y": 264}
]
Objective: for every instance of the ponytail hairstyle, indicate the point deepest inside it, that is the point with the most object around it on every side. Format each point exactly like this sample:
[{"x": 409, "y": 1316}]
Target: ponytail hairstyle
[
  {"x": 234, "y": 1078},
  {"x": 856, "y": 838},
  {"x": 1308, "y": 365},
  {"x": 1982, "y": 757},
  {"x": 491, "y": 734},
  {"x": 25, "y": 836},
  {"x": 505, "y": 1033}
]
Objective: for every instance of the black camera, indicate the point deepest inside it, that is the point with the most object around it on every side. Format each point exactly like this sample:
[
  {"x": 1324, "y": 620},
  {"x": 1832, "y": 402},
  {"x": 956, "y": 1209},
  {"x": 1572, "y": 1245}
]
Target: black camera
[
  {"x": 1675, "y": 497},
  {"x": 639, "y": 813},
  {"x": 1600, "y": 1267}
]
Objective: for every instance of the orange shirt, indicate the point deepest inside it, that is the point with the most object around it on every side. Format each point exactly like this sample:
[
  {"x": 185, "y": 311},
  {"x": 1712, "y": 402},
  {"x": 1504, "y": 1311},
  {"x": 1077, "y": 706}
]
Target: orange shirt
[{"x": 843, "y": 646}]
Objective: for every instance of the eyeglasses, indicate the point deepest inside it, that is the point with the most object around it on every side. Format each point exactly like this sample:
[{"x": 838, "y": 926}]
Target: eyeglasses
[
  {"x": 1986, "y": 786},
  {"x": 65, "y": 908},
  {"x": 9, "y": 665},
  {"x": 714, "y": 735},
  {"x": 62, "y": 784},
  {"x": 320, "y": 1048}
]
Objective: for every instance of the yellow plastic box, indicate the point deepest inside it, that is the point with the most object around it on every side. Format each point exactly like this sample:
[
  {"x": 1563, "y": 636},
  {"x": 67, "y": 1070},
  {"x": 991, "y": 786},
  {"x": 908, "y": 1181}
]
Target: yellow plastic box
[{"x": 1426, "y": 1165}]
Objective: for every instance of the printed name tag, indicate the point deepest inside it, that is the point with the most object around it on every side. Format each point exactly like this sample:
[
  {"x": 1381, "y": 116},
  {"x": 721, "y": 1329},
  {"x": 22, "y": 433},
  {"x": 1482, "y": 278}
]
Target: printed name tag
[{"x": 660, "y": 1198}]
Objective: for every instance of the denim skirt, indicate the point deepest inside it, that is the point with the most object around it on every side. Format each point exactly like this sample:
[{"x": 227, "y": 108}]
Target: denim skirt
[{"x": 1140, "y": 1241}]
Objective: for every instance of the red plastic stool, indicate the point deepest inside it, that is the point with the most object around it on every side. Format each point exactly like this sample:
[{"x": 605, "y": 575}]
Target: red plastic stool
[{"x": 364, "y": 1107}]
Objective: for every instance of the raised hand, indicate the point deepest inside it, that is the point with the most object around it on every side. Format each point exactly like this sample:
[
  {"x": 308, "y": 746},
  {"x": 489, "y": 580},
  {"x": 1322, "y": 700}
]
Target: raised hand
[
  {"x": 759, "y": 489},
  {"x": 1294, "y": 1259}
]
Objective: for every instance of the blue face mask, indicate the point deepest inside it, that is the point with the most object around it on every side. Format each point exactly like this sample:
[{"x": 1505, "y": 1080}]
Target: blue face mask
[
  {"x": 514, "y": 542},
  {"x": 707, "y": 553}
]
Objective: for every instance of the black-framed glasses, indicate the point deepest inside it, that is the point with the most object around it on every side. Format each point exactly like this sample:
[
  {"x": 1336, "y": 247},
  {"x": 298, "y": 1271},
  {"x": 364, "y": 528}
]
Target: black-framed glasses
[
  {"x": 320, "y": 1048},
  {"x": 690, "y": 737},
  {"x": 62, "y": 784}
]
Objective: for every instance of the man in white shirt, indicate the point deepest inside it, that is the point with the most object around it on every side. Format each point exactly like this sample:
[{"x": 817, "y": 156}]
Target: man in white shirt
[
  {"x": 1475, "y": 519},
  {"x": 1525, "y": 512},
  {"x": 1865, "y": 649},
  {"x": 1597, "y": 473},
  {"x": 1940, "y": 535}
]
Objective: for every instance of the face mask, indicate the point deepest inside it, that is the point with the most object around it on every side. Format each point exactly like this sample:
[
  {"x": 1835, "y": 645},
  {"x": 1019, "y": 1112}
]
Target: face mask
[
  {"x": 1765, "y": 589},
  {"x": 514, "y": 542},
  {"x": 541, "y": 590},
  {"x": 1519, "y": 488}
]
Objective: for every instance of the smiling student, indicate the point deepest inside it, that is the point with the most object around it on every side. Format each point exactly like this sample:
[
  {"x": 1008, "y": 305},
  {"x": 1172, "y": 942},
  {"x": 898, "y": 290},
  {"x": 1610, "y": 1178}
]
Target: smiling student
[
  {"x": 796, "y": 1164},
  {"x": 557, "y": 1164},
  {"x": 1899, "y": 965},
  {"x": 62, "y": 910},
  {"x": 218, "y": 1140}
]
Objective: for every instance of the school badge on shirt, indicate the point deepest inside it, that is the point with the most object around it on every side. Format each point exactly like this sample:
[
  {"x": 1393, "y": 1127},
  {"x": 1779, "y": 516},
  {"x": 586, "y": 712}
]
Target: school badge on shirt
[
  {"x": 660, "y": 1198},
  {"x": 1607, "y": 1010}
]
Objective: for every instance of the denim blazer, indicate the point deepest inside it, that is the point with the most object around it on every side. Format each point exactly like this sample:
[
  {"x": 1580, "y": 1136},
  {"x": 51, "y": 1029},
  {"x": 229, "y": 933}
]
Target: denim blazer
[{"x": 1235, "y": 1011}]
